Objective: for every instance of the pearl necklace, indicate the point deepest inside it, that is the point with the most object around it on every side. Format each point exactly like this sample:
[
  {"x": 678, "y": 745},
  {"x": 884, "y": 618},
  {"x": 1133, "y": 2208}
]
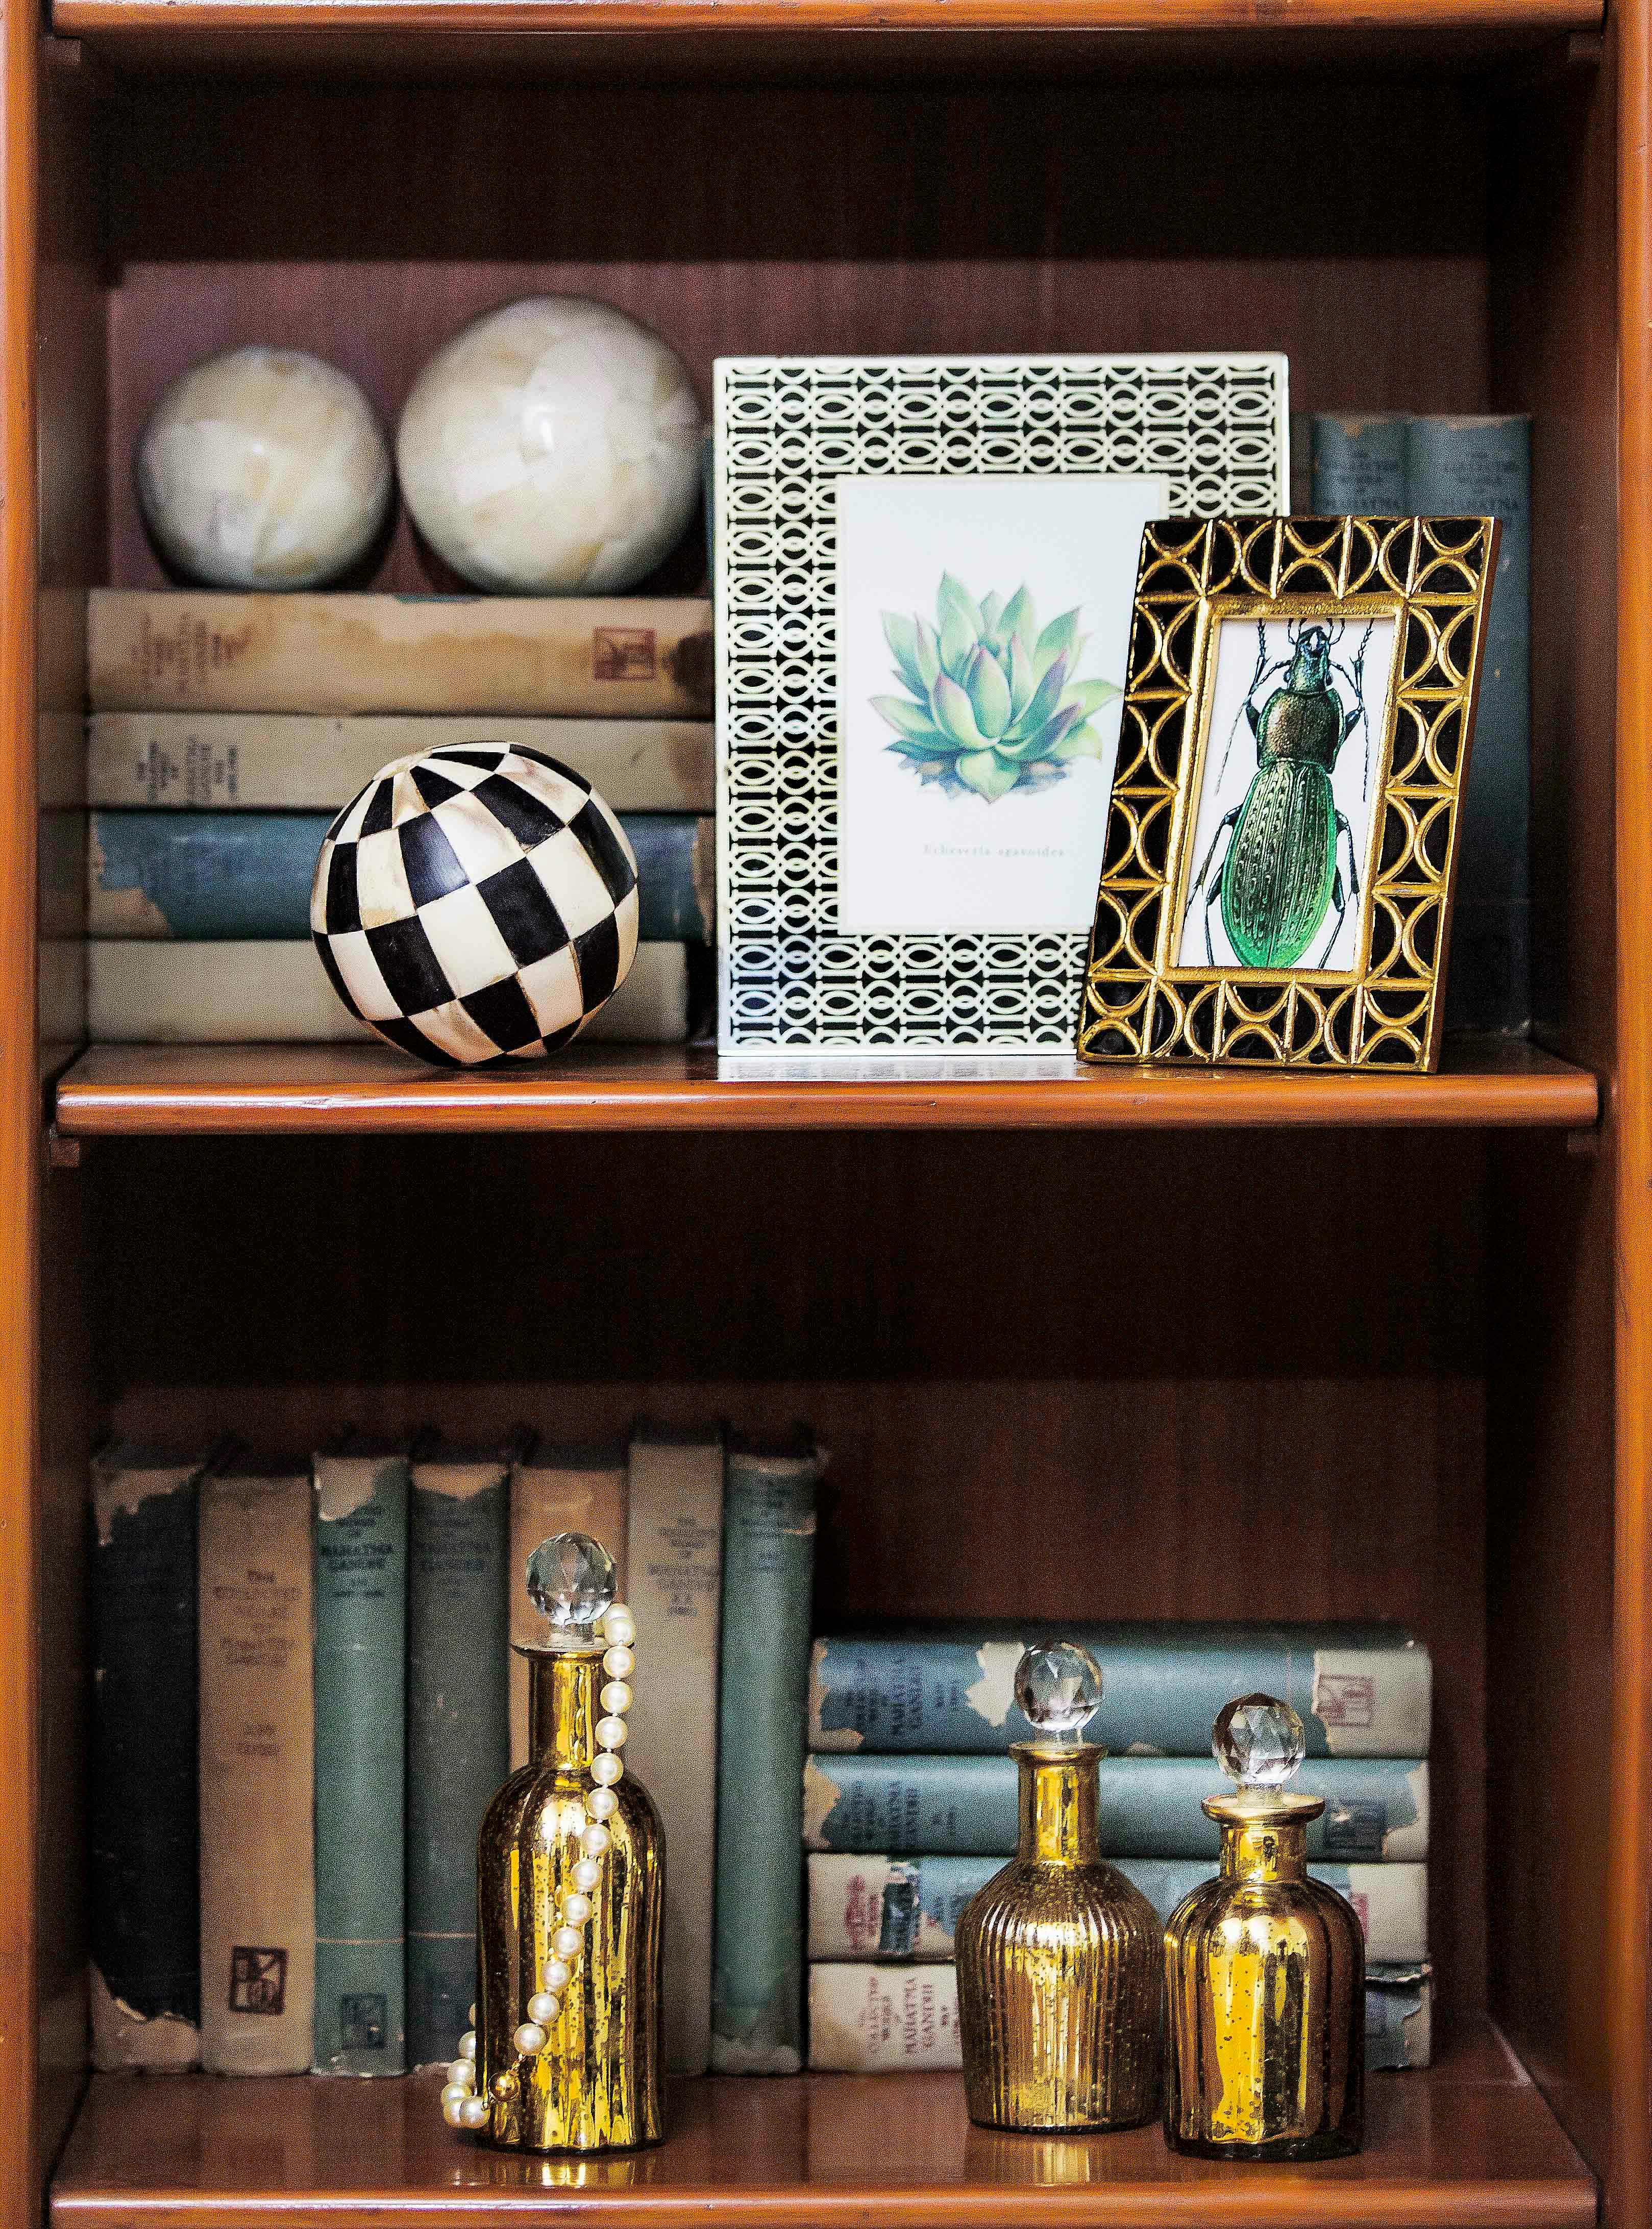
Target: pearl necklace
[{"x": 460, "y": 2106}]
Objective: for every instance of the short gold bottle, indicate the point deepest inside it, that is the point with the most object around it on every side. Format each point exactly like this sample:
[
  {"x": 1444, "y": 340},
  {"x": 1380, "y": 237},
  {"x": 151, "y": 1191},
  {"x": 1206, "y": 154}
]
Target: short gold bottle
[
  {"x": 1264, "y": 1971},
  {"x": 596, "y": 2084},
  {"x": 1058, "y": 1957}
]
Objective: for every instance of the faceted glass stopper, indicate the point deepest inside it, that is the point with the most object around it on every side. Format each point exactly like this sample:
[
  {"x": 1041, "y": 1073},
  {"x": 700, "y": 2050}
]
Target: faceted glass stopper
[
  {"x": 1258, "y": 1741},
  {"x": 1059, "y": 1688},
  {"x": 572, "y": 1579}
]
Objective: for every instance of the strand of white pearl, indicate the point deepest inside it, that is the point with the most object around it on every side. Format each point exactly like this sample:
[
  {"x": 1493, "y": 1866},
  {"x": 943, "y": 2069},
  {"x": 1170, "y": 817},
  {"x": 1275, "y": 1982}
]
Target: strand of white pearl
[{"x": 460, "y": 2106}]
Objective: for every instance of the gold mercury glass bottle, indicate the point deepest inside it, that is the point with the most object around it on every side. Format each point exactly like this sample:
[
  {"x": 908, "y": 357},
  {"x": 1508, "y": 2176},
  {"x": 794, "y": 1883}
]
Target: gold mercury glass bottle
[
  {"x": 1060, "y": 1968},
  {"x": 595, "y": 2086},
  {"x": 1264, "y": 1970}
]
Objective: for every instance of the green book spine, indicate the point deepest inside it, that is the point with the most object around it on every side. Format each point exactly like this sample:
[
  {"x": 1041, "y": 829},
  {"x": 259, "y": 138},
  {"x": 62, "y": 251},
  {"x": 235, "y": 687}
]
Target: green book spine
[
  {"x": 361, "y": 1544},
  {"x": 1359, "y": 466},
  {"x": 457, "y": 1728},
  {"x": 1376, "y": 1808},
  {"x": 767, "y": 1571}
]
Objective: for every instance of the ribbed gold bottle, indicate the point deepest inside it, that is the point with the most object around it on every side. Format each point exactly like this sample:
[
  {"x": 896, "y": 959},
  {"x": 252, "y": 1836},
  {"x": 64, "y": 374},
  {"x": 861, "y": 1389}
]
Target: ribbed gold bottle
[
  {"x": 597, "y": 2084},
  {"x": 1060, "y": 1968},
  {"x": 1264, "y": 1971}
]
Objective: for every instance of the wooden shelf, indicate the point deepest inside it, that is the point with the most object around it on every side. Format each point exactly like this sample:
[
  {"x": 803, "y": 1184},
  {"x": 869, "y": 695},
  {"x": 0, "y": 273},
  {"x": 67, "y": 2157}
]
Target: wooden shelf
[
  {"x": 126, "y": 1091},
  {"x": 1471, "y": 2142}
]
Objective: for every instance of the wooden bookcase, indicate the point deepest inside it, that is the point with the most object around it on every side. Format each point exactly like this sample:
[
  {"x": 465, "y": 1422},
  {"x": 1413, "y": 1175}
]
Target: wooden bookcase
[{"x": 1112, "y": 1345}]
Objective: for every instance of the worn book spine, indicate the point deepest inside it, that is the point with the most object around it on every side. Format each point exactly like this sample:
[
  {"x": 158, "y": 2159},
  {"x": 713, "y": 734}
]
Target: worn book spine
[
  {"x": 1359, "y": 466},
  {"x": 674, "y": 1585},
  {"x": 1475, "y": 468},
  {"x": 458, "y": 1725},
  {"x": 143, "y": 1900},
  {"x": 246, "y": 877},
  {"x": 1361, "y": 1690},
  {"x": 278, "y": 994},
  {"x": 200, "y": 650},
  {"x": 257, "y": 1891},
  {"x": 768, "y": 1575},
  {"x": 568, "y": 1489},
  {"x": 1376, "y": 1808},
  {"x": 360, "y": 1548},
  {"x": 1399, "y": 2016},
  {"x": 884, "y": 1907},
  {"x": 315, "y": 762}
]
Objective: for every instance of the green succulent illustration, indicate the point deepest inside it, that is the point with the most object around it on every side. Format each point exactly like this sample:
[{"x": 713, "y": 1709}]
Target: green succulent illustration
[{"x": 993, "y": 706}]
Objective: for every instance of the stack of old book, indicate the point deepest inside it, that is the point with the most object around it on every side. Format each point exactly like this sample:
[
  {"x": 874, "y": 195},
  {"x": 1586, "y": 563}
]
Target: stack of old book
[
  {"x": 227, "y": 731},
  {"x": 910, "y": 1806}
]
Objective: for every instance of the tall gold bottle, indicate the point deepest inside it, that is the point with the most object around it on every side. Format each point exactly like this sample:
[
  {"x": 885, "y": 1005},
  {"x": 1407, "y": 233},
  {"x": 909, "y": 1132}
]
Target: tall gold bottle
[
  {"x": 1264, "y": 1971},
  {"x": 1058, "y": 1957},
  {"x": 595, "y": 2086}
]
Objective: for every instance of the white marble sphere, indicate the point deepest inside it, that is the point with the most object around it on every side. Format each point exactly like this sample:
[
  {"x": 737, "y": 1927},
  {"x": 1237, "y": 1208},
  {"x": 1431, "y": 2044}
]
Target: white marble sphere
[
  {"x": 552, "y": 448},
  {"x": 263, "y": 468}
]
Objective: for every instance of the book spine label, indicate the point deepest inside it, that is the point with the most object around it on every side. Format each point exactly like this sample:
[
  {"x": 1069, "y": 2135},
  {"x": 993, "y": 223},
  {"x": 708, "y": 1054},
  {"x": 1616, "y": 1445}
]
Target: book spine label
[
  {"x": 1376, "y": 1808},
  {"x": 768, "y": 1571},
  {"x": 258, "y": 1897},
  {"x": 1481, "y": 467},
  {"x": 210, "y": 876},
  {"x": 674, "y": 1568},
  {"x": 200, "y": 651},
  {"x": 298, "y": 762},
  {"x": 550, "y": 1496},
  {"x": 883, "y": 2020},
  {"x": 361, "y": 1547},
  {"x": 1359, "y": 467},
  {"x": 143, "y": 1890},
  {"x": 458, "y": 1732},
  {"x": 916, "y": 1694}
]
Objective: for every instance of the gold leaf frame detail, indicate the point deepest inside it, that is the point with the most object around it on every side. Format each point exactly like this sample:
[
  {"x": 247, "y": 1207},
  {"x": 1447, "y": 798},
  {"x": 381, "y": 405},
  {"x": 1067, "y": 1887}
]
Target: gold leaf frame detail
[{"x": 1434, "y": 576}]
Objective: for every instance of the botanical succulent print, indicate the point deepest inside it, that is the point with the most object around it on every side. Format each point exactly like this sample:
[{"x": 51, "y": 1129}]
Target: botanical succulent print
[{"x": 993, "y": 706}]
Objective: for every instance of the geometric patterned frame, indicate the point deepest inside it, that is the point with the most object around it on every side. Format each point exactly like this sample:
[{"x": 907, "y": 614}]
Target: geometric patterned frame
[
  {"x": 1435, "y": 575},
  {"x": 790, "y": 979}
]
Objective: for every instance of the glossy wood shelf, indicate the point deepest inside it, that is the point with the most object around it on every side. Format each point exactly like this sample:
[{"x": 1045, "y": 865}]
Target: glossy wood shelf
[
  {"x": 1471, "y": 2143},
  {"x": 126, "y": 1090}
]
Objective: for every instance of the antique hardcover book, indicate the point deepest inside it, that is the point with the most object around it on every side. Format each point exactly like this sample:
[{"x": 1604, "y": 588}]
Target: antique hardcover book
[
  {"x": 361, "y": 1542},
  {"x": 557, "y": 1489},
  {"x": 176, "y": 650},
  {"x": 258, "y": 1884},
  {"x": 144, "y": 1895},
  {"x": 296, "y": 762},
  {"x": 1361, "y": 1690},
  {"x": 1376, "y": 1808},
  {"x": 767, "y": 1573},
  {"x": 674, "y": 1583},
  {"x": 458, "y": 1722},
  {"x": 1358, "y": 467}
]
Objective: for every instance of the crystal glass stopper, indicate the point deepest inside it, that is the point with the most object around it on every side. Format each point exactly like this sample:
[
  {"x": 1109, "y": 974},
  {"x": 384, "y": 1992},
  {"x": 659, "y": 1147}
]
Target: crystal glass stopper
[
  {"x": 1059, "y": 1688},
  {"x": 1258, "y": 1741},
  {"x": 572, "y": 1579}
]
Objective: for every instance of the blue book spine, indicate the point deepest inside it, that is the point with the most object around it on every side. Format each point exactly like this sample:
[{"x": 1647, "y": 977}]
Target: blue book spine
[
  {"x": 212, "y": 878},
  {"x": 361, "y": 1550},
  {"x": 1359, "y": 468},
  {"x": 1481, "y": 468},
  {"x": 459, "y": 1739},
  {"x": 1376, "y": 1808},
  {"x": 144, "y": 1898},
  {"x": 767, "y": 1571},
  {"x": 1361, "y": 1691}
]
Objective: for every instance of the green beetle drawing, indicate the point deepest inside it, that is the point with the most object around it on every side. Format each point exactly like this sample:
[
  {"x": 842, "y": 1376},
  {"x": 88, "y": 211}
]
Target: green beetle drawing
[{"x": 1280, "y": 871}]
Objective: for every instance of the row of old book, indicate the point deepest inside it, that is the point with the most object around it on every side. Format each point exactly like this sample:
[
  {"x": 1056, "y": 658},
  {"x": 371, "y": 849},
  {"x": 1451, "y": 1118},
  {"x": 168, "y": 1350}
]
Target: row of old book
[
  {"x": 306, "y": 1697},
  {"x": 226, "y": 731},
  {"x": 910, "y": 1805}
]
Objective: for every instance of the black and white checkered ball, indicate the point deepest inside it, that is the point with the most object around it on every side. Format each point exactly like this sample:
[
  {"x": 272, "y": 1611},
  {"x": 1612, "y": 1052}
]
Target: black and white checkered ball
[{"x": 477, "y": 903}]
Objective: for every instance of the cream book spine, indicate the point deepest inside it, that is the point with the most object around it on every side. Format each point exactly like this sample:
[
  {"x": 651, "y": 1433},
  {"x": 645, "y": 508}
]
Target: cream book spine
[
  {"x": 883, "y": 2020},
  {"x": 277, "y": 993},
  {"x": 557, "y": 1490},
  {"x": 674, "y": 1586},
  {"x": 296, "y": 762},
  {"x": 202, "y": 650},
  {"x": 258, "y": 1895}
]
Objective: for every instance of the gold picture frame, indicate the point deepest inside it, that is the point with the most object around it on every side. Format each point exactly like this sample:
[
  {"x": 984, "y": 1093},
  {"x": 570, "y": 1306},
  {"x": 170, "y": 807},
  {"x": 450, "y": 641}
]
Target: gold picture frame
[{"x": 1233, "y": 816}]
